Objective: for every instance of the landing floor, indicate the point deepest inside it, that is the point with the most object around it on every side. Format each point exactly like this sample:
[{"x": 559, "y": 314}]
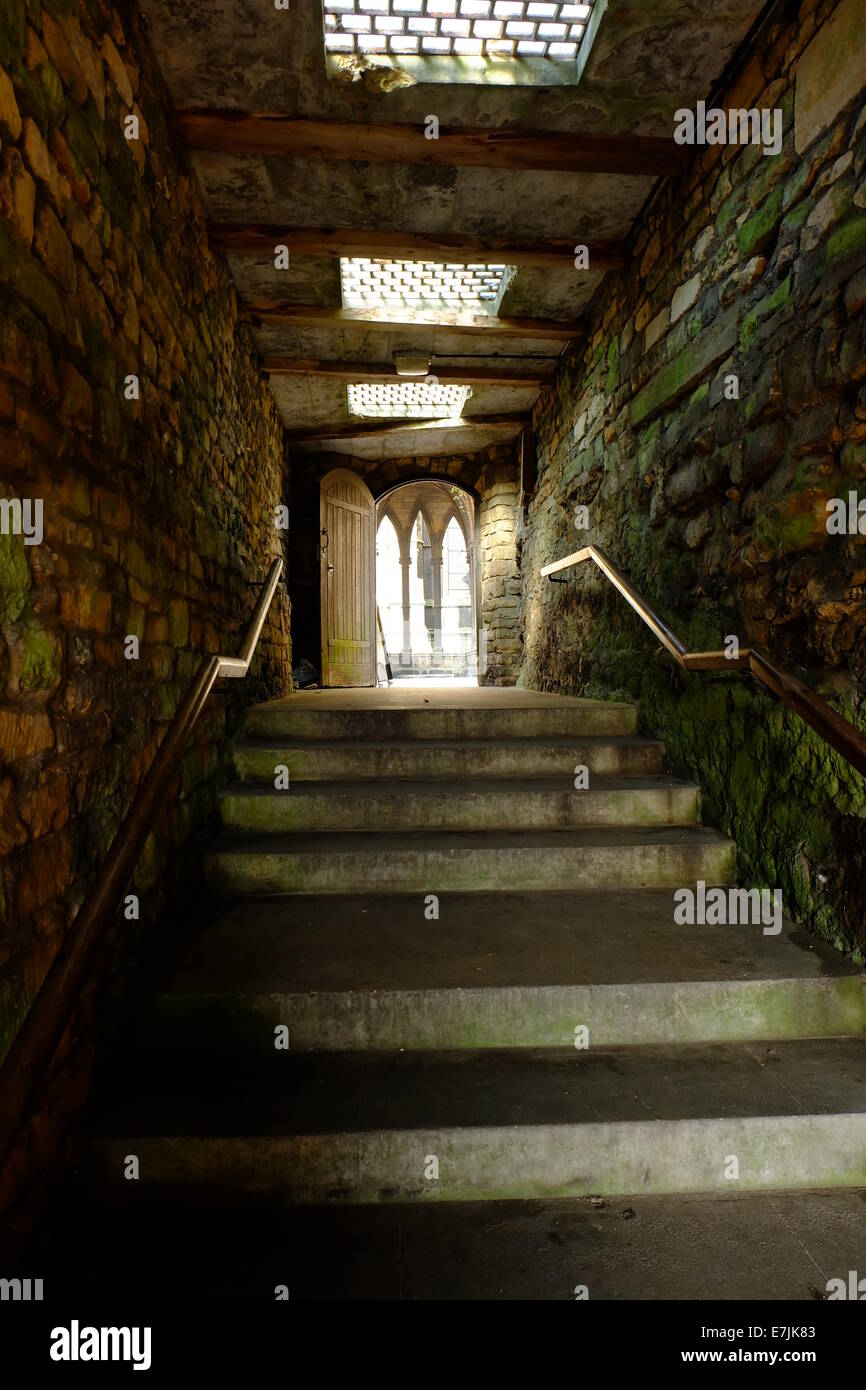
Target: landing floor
[{"x": 451, "y": 696}]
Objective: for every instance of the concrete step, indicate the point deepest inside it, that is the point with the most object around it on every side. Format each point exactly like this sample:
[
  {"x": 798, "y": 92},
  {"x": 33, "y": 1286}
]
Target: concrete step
[
  {"x": 529, "y": 804},
  {"x": 466, "y": 713},
  {"x": 449, "y": 759},
  {"x": 474, "y": 861},
  {"x": 437, "y": 1127},
  {"x": 495, "y": 970},
  {"x": 778, "y": 1246}
]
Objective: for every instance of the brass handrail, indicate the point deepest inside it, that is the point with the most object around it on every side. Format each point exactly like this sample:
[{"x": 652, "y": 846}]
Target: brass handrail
[
  {"x": 824, "y": 720},
  {"x": 29, "y": 1057}
]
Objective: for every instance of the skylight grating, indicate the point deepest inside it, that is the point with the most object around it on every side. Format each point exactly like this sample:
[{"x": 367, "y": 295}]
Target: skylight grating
[
  {"x": 418, "y": 400},
  {"x": 372, "y": 284},
  {"x": 487, "y": 29}
]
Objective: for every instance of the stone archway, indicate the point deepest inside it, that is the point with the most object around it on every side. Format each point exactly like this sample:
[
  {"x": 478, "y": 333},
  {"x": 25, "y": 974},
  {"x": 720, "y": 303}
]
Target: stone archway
[{"x": 433, "y": 583}]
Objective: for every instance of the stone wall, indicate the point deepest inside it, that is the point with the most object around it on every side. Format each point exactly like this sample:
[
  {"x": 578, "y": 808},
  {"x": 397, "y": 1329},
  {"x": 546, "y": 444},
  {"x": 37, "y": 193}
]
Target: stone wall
[
  {"x": 500, "y": 571},
  {"x": 159, "y": 511},
  {"x": 711, "y": 493},
  {"x": 491, "y": 476}
]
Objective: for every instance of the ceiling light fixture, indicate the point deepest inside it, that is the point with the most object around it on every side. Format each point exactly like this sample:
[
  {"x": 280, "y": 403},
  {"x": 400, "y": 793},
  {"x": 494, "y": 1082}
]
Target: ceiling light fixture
[{"x": 412, "y": 366}]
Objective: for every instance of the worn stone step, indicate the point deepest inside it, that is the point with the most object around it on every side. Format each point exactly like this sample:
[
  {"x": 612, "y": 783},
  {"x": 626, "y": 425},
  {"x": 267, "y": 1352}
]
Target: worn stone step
[
  {"x": 449, "y": 759},
  {"x": 474, "y": 861},
  {"x": 494, "y": 970},
  {"x": 429, "y": 713},
  {"x": 719, "y": 1118},
  {"x": 778, "y": 1246},
  {"x": 530, "y": 804}
]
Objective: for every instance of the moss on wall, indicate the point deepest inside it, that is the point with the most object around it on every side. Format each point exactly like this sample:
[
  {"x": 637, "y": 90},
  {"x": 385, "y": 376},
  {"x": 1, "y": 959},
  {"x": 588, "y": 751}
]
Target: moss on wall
[
  {"x": 158, "y": 508},
  {"x": 706, "y": 456}
]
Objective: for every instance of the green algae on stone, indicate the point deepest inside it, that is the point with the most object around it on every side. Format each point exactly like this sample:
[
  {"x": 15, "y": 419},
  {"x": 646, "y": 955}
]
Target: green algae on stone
[
  {"x": 39, "y": 655},
  {"x": 756, "y": 233},
  {"x": 14, "y": 578},
  {"x": 612, "y": 381},
  {"x": 770, "y": 304},
  {"x": 847, "y": 240}
]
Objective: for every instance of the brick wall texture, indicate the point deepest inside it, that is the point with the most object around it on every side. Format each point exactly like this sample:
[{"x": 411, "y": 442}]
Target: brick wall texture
[
  {"x": 712, "y": 496},
  {"x": 159, "y": 511}
]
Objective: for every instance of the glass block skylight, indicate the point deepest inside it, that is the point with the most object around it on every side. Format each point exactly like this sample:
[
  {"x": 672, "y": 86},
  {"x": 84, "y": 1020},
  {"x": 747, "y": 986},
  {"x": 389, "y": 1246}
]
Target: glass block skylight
[
  {"x": 417, "y": 400},
  {"x": 477, "y": 29},
  {"x": 371, "y": 284}
]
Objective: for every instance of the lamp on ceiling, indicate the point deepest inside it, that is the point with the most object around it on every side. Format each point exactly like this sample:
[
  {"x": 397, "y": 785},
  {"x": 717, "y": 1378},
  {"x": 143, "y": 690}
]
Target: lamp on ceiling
[{"x": 412, "y": 366}]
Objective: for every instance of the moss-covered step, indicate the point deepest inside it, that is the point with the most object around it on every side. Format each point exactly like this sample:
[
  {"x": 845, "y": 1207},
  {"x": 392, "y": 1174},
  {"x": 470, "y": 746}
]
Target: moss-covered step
[
  {"x": 474, "y": 861},
  {"x": 492, "y": 970},
  {"x": 430, "y": 713},
  {"x": 530, "y": 804},
  {"x": 422, "y": 759},
  {"x": 606, "y": 1122}
]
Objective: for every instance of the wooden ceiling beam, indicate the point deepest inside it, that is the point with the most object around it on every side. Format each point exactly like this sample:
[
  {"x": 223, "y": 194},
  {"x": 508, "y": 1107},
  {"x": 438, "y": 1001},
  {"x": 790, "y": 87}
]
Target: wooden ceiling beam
[
  {"x": 371, "y": 429},
  {"x": 264, "y": 133},
  {"x": 374, "y": 320},
  {"x": 241, "y": 238},
  {"x": 383, "y": 373}
]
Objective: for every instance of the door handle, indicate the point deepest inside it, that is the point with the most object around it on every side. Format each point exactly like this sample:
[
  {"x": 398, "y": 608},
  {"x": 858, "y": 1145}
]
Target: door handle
[{"x": 330, "y": 567}]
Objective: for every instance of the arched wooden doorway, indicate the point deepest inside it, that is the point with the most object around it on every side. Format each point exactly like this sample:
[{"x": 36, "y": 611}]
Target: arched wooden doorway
[{"x": 348, "y": 579}]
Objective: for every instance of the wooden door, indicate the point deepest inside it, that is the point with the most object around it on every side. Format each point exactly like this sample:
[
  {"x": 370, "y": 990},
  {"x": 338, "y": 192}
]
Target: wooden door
[{"x": 348, "y": 543}]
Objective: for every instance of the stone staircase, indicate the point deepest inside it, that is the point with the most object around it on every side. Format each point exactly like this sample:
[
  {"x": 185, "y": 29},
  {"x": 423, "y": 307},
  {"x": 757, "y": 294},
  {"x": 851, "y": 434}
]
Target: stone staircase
[{"x": 434, "y": 913}]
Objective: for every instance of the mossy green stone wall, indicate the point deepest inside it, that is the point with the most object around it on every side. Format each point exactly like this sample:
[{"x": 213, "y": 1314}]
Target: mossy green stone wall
[
  {"x": 716, "y": 507},
  {"x": 158, "y": 512}
]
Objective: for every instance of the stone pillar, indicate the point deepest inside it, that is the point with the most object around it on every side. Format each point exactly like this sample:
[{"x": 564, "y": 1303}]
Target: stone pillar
[
  {"x": 406, "y": 653},
  {"x": 436, "y": 563},
  {"x": 500, "y": 573},
  {"x": 473, "y": 653}
]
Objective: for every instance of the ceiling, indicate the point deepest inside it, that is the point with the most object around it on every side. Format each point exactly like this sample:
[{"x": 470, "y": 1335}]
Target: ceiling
[{"x": 245, "y": 56}]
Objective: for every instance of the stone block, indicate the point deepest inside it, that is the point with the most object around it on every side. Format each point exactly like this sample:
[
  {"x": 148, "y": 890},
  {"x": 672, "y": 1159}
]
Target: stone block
[
  {"x": 46, "y": 806},
  {"x": 814, "y": 429},
  {"x": 88, "y": 59},
  {"x": 86, "y": 608},
  {"x": 63, "y": 58},
  {"x": 10, "y": 116},
  {"x": 657, "y": 329},
  {"x": 685, "y": 297},
  {"x": 758, "y": 232},
  {"x": 117, "y": 69},
  {"x": 17, "y": 195},
  {"x": 46, "y": 873},
  {"x": 178, "y": 623},
  {"x": 681, "y": 375},
  {"x": 763, "y": 451},
  {"x": 827, "y": 213},
  {"x": 855, "y": 295},
  {"x": 743, "y": 280},
  {"x": 54, "y": 250},
  {"x": 24, "y": 732},
  {"x": 829, "y": 73},
  {"x": 12, "y": 830}
]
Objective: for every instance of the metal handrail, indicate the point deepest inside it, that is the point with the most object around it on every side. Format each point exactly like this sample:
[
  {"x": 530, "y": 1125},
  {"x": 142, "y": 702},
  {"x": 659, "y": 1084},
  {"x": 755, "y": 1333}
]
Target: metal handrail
[
  {"x": 824, "y": 720},
  {"x": 26, "y": 1063}
]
